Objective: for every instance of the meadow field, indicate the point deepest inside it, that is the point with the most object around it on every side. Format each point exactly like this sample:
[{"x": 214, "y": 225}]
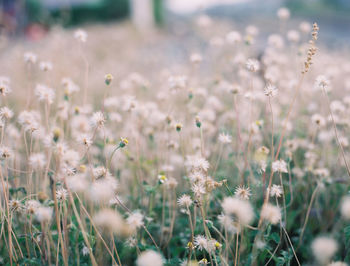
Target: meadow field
[{"x": 209, "y": 145}]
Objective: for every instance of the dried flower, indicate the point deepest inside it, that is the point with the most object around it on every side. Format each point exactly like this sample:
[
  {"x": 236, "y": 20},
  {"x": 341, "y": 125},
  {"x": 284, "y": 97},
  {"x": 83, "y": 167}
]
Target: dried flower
[
  {"x": 324, "y": 248},
  {"x": 243, "y": 192},
  {"x": 271, "y": 213}
]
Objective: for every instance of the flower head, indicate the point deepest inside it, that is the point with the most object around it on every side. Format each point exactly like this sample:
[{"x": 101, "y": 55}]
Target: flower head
[
  {"x": 322, "y": 82},
  {"x": 240, "y": 209},
  {"x": 279, "y": 166},
  {"x": 225, "y": 138},
  {"x": 80, "y": 35},
  {"x": 30, "y": 57},
  {"x": 324, "y": 248},
  {"x": 276, "y": 191},
  {"x": 135, "y": 220},
  {"x": 61, "y": 194},
  {"x": 108, "y": 79},
  {"x": 185, "y": 201},
  {"x": 45, "y": 94},
  {"x": 149, "y": 258},
  {"x": 162, "y": 178},
  {"x": 243, "y": 192},
  {"x": 283, "y": 13},
  {"x": 253, "y": 65},
  {"x": 270, "y": 90},
  {"x": 123, "y": 142},
  {"x": 97, "y": 120},
  {"x": 271, "y": 213}
]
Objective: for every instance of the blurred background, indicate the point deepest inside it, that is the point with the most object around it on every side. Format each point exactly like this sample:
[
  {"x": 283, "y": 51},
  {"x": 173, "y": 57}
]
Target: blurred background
[{"x": 34, "y": 18}]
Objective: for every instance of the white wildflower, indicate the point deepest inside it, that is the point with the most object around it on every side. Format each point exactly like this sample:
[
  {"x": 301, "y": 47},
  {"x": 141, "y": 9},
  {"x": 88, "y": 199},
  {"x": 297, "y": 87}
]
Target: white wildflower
[
  {"x": 149, "y": 258},
  {"x": 80, "y": 35},
  {"x": 279, "y": 166},
  {"x": 324, "y": 248},
  {"x": 225, "y": 138}
]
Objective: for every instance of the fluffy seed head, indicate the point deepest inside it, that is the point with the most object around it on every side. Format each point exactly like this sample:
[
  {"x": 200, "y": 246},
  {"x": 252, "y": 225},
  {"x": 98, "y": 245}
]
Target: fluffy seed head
[
  {"x": 149, "y": 258},
  {"x": 345, "y": 208},
  {"x": 271, "y": 213},
  {"x": 240, "y": 209},
  {"x": 185, "y": 201},
  {"x": 324, "y": 248},
  {"x": 112, "y": 222}
]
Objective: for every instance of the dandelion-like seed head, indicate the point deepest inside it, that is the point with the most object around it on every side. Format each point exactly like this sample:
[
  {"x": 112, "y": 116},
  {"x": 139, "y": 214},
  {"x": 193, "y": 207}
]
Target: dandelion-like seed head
[
  {"x": 185, "y": 201},
  {"x": 270, "y": 90},
  {"x": 80, "y": 35},
  {"x": 243, "y": 192}
]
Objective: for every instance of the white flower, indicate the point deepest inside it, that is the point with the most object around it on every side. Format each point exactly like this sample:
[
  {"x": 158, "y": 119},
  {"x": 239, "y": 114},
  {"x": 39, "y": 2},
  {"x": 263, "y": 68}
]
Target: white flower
[
  {"x": 6, "y": 113},
  {"x": 185, "y": 201},
  {"x": 97, "y": 120},
  {"x": 293, "y": 36},
  {"x": 37, "y": 160},
  {"x": 15, "y": 205},
  {"x": 324, "y": 248},
  {"x": 252, "y": 30},
  {"x": 61, "y": 194},
  {"x": 149, "y": 258},
  {"x": 276, "y": 41},
  {"x": 338, "y": 263},
  {"x": 241, "y": 209},
  {"x": 345, "y": 208},
  {"x": 69, "y": 86},
  {"x": 196, "y": 176},
  {"x": 171, "y": 183},
  {"x": 276, "y": 190},
  {"x": 271, "y": 213},
  {"x": 196, "y": 58},
  {"x": 4, "y": 88},
  {"x": 200, "y": 242},
  {"x": 198, "y": 189},
  {"x": 45, "y": 66},
  {"x": 43, "y": 214},
  {"x": 225, "y": 138},
  {"x": 318, "y": 120},
  {"x": 177, "y": 82},
  {"x": 203, "y": 261},
  {"x": 77, "y": 183},
  {"x": 102, "y": 190},
  {"x": 162, "y": 178},
  {"x": 203, "y": 21},
  {"x": 5, "y": 152},
  {"x": 233, "y": 37},
  {"x": 29, "y": 119},
  {"x": 322, "y": 82},
  {"x": 100, "y": 171},
  {"x": 135, "y": 220},
  {"x": 30, "y": 57},
  {"x": 111, "y": 221},
  {"x": 253, "y": 65},
  {"x": 80, "y": 35},
  {"x": 305, "y": 27},
  {"x": 197, "y": 163},
  {"x": 279, "y": 166},
  {"x": 243, "y": 192},
  {"x": 227, "y": 222},
  {"x": 45, "y": 93},
  {"x": 31, "y": 206},
  {"x": 270, "y": 90},
  {"x": 85, "y": 140},
  {"x": 85, "y": 251},
  {"x": 283, "y": 13},
  {"x": 131, "y": 242}
]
